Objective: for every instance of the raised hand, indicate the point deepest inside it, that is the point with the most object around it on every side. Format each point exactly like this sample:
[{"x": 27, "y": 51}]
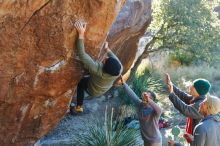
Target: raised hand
[
  {"x": 119, "y": 81},
  {"x": 169, "y": 83},
  {"x": 122, "y": 80},
  {"x": 168, "y": 80},
  {"x": 80, "y": 26},
  {"x": 188, "y": 137},
  {"x": 145, "y": 96},
  {"x": 106, "y": 47},
  {"x": 171, "y": 143}
]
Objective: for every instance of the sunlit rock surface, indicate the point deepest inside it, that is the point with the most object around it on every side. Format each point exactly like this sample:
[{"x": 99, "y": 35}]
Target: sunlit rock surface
[
  {"x": 131, "y": 24},
  {"x": 39, "y": 67}
]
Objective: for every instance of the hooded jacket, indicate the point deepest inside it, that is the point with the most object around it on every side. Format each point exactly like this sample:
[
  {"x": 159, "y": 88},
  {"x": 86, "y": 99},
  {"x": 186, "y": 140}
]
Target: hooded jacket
[
  {"x": 207, "y": 132},
  {"x": 185, "y": 104}
]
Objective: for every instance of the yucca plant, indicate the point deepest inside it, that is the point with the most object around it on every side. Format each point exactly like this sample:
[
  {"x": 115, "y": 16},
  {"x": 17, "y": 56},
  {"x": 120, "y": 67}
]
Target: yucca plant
[
  {"x": 108, "y": 133},
  {"x": 146, "y": 81},
  {"x": 143, "y": 81}
]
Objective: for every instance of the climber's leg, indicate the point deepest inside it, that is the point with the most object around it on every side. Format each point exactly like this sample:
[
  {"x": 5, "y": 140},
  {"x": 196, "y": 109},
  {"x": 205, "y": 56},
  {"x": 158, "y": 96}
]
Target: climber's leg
[{"x": 81, "y": 87}]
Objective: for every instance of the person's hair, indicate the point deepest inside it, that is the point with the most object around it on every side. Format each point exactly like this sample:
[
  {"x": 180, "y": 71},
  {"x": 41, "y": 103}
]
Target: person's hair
[
  {"x": 153, "y": 95},
  {"x": 112, "y": 66},
  {"x": 213, "y": 103}
]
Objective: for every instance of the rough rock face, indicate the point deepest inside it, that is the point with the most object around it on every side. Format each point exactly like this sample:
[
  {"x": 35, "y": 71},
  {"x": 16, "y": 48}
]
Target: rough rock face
[
  {"x": 130, "y": 25},
  {"x": 39, "y": 68}
]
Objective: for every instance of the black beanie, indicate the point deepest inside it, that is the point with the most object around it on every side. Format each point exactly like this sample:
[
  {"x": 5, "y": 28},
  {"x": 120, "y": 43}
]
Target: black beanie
[
  {"x": 112, "y": 66},
  {"x": 202, "y": 86}
]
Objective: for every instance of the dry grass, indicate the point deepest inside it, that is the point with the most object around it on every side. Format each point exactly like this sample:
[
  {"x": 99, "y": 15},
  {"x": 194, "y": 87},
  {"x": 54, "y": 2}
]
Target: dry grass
[{"x": 182, "y": 75}]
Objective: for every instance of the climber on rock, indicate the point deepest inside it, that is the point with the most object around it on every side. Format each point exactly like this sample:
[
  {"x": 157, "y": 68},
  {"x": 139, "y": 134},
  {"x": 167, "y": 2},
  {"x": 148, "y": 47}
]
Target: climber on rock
[{"x": 102, "y": 73}]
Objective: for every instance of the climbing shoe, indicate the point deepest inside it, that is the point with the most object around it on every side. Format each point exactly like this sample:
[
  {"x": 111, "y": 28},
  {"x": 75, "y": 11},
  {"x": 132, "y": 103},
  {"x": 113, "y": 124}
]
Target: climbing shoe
[{"x": 78, "y": 109}]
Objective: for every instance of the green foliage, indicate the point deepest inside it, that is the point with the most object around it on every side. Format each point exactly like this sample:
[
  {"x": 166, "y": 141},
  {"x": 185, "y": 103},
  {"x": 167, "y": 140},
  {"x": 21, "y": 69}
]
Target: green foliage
[
  {"x": 184, "y": 58},
  {"x": 189, "y": 28},
  {"x": 146, "y": 81},
  {"x": 109, "y": 133},
  {"x": 143, "y": 81},
  {"x": 183, "y": 76}
]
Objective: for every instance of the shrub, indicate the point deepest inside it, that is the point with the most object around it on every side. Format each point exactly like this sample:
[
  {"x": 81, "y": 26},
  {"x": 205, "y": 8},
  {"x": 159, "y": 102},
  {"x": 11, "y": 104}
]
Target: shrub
[
  {"x": 184, "y": 74},
  {"x": 143, "y": 81},
  {"x": 182, "y": 57},
  {"x": 108, "y": 133}
]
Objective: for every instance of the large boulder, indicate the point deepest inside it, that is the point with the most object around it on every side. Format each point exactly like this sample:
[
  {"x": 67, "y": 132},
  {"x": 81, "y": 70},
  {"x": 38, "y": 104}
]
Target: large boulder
[
  {"x": 129, "y": 27},
  {"x": 39, "y": 68}
]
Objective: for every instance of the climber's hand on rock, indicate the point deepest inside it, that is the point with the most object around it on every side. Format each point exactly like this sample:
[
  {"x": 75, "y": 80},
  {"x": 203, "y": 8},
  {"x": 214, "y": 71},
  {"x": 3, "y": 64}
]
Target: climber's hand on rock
[
  {"x": 106, "y": 47},
  {"x": 80, "y": 26}
]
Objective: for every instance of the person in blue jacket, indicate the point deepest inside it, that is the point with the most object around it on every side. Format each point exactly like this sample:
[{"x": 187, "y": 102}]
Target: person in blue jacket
[{"x": 207, "y": 132}]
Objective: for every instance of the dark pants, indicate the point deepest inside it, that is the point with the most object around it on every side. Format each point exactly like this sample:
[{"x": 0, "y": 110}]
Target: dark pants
[{"x": 81, "y": 87}]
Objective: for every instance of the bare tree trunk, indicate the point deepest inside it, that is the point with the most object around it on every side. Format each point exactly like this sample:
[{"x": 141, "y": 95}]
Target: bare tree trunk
[{"x": 144, "y": 55}]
